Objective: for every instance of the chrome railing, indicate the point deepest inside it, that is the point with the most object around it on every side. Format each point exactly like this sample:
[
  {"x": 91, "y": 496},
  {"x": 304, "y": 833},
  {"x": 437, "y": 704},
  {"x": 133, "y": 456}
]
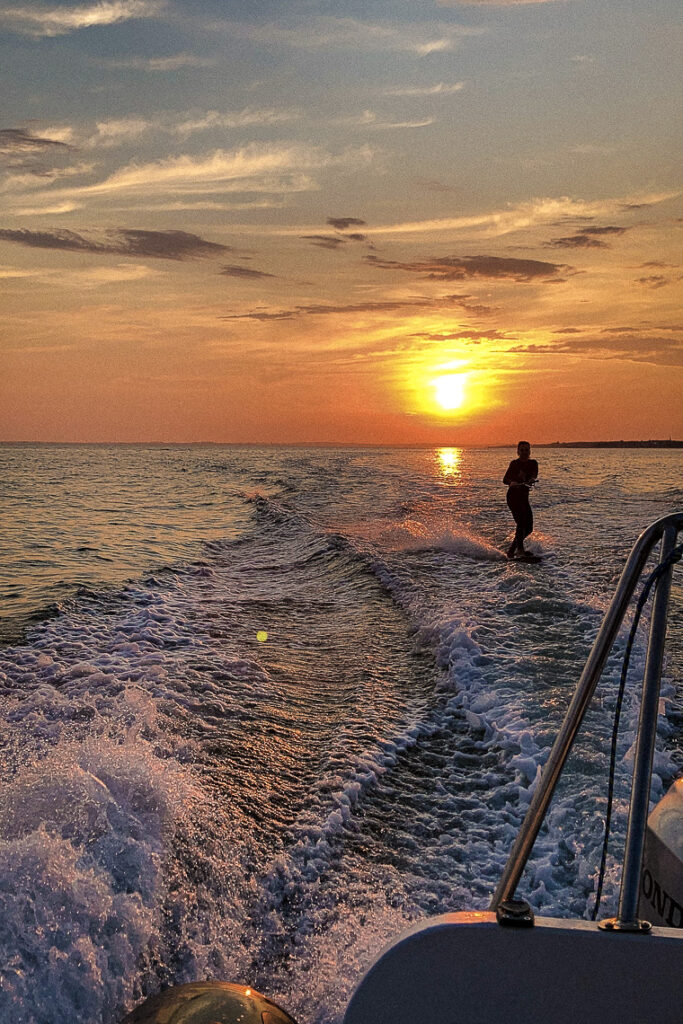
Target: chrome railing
[{"x": 666, "y": 530}]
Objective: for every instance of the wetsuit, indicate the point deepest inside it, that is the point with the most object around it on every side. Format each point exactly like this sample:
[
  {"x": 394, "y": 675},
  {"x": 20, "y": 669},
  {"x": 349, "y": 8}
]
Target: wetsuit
[{"x": 521, "y": 471}]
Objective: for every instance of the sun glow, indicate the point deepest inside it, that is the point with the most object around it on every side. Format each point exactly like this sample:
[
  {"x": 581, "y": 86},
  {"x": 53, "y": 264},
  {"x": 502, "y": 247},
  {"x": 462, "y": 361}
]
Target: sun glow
[{"x": 449, "y": 390}]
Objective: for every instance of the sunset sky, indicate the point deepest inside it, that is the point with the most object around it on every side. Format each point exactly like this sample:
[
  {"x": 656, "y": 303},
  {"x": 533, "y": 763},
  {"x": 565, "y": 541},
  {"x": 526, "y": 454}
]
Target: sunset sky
[{"x": 381, "y": 221}]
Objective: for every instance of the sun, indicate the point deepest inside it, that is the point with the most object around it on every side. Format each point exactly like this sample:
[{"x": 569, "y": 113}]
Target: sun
[{"x": 449, "y": 390}]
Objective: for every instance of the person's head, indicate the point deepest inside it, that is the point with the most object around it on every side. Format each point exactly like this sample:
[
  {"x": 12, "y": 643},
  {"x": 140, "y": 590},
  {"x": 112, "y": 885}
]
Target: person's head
[{"x": 524, "y": 449}]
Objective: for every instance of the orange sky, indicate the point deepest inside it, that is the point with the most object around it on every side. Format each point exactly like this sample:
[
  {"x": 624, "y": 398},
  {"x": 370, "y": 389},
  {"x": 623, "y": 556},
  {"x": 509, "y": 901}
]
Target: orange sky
[{"x": 292, "y": 228}]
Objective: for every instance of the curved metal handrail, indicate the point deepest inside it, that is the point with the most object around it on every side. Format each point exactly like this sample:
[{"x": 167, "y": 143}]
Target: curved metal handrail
[{"x": 666, "y": 530}]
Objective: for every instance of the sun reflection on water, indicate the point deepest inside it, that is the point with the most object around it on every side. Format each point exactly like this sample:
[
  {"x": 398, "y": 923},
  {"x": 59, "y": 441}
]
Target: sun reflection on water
[{"x": 449, "y": 462}]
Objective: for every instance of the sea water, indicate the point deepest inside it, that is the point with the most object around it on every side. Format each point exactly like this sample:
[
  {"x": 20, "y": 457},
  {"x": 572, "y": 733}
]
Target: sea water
[{"x": 262, "y": 708}]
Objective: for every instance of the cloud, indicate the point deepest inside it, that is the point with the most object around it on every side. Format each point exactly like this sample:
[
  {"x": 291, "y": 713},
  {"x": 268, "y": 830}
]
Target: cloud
[
  {"x": 116, "y": 131},
  {"x": 172, "y": 63},
  {"x": 349, "y": 33},
  {"x": 368, "y": 119},
  {"x": 580, "y": 241},
  {"x": 41, "y": 211},
  {"x": 350, "y": 308},
  {"x": 454, "y": 268},
  {"x": 246, "y": 272},
  {"x": 440, "y": 89},
  {"x": 654, "y": 281},
  {"x": 534, "y": 213},
  {"x": 640, "y": 346},
  {"x": 586, "y": 238},
  {"x": 18, "y": 140},
  {"x": 40, "y": 20},
  {"x": 235, "y": 119},
  {"x": 119, "y": 131},
  {"x": 256, "y": 167},
  {"x": 344, "y": 223},
  {"x": 464, "y": 334},
  {"x": 168, "y": 245},
  {"x": 324, "y": 241}
]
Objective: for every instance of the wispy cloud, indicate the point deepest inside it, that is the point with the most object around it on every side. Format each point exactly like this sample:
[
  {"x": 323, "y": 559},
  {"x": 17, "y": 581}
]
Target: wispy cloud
[
  {"x": 640, "y": 346},
  {"x": 440, "y": 89},
  {"x": 122, "y": 130},
  {"x": 172, "y": 63},
  {"x": 456, "y": 268},
  {"x": 247, "y": 118},
  {"x": 168, "y": 245},
  {"x": 42, "y": 211},
  {"x": 368, "y": 119},
  {"x": 40, "y": 20},
  {"x": 259, "y": 166},
  {"x": 368, "y": 308},
  {"x": 116, "y": 131},
  {"x": 320, "y": 309},
  {"x": 349, "y": 33},
  {"x": 276, "y": 169},
  {"x": 534, "y": 213}
]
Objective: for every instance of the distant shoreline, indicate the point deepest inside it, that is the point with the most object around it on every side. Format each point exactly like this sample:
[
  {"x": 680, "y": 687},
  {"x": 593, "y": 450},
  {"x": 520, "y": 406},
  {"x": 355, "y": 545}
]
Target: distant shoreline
[{"x": 611, "y": 444}]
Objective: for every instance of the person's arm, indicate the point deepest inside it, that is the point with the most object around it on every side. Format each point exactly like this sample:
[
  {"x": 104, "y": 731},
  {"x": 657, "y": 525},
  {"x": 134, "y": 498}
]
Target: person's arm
[
  {"x": 531, "y": 480},
  {"x": 508, "y": 478}
]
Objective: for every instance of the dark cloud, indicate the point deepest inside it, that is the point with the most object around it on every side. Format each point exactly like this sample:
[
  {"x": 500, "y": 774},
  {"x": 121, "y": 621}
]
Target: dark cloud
[
  {"x": 356, "y": 237},
  {"x": 464, "y": 334},
  {"x": 587, "y": 238},
  {"x": 453, "y": 268},
  {"x": 285, "y": 314},
  {"x": 634, "y": 346},
  {"x": 324, "y": 241},
  {"x": 344, "y": 223},
  {"x": 472, "y": 308},
  {"x": 322, "y": 310},
  {"x": 581, "y": 241},
  {"x": 167, "y": 245},
  {"x": 231, "y": 271},
  {"x": 440, "y": 302},
  {"x": 17, "y": 140},
  {"x": 67, "y": 240},
  {"x": 653, "y": 281},
  {"x": 609, "y": 229}
]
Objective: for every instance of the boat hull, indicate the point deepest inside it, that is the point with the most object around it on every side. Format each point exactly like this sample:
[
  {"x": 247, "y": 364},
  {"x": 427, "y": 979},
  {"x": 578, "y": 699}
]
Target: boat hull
[{"x": 465, "y": 968}]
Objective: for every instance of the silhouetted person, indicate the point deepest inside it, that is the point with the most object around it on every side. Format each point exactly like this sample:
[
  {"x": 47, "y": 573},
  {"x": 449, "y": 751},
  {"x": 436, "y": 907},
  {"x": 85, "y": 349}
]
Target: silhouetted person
[{"x": 521, "y": 475}]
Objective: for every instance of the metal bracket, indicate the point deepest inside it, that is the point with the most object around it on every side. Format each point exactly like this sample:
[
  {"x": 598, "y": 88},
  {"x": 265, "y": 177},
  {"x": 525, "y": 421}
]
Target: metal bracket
[
  {"x": 514, "y": 913},
  {"x": 613, "y": 924}
]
